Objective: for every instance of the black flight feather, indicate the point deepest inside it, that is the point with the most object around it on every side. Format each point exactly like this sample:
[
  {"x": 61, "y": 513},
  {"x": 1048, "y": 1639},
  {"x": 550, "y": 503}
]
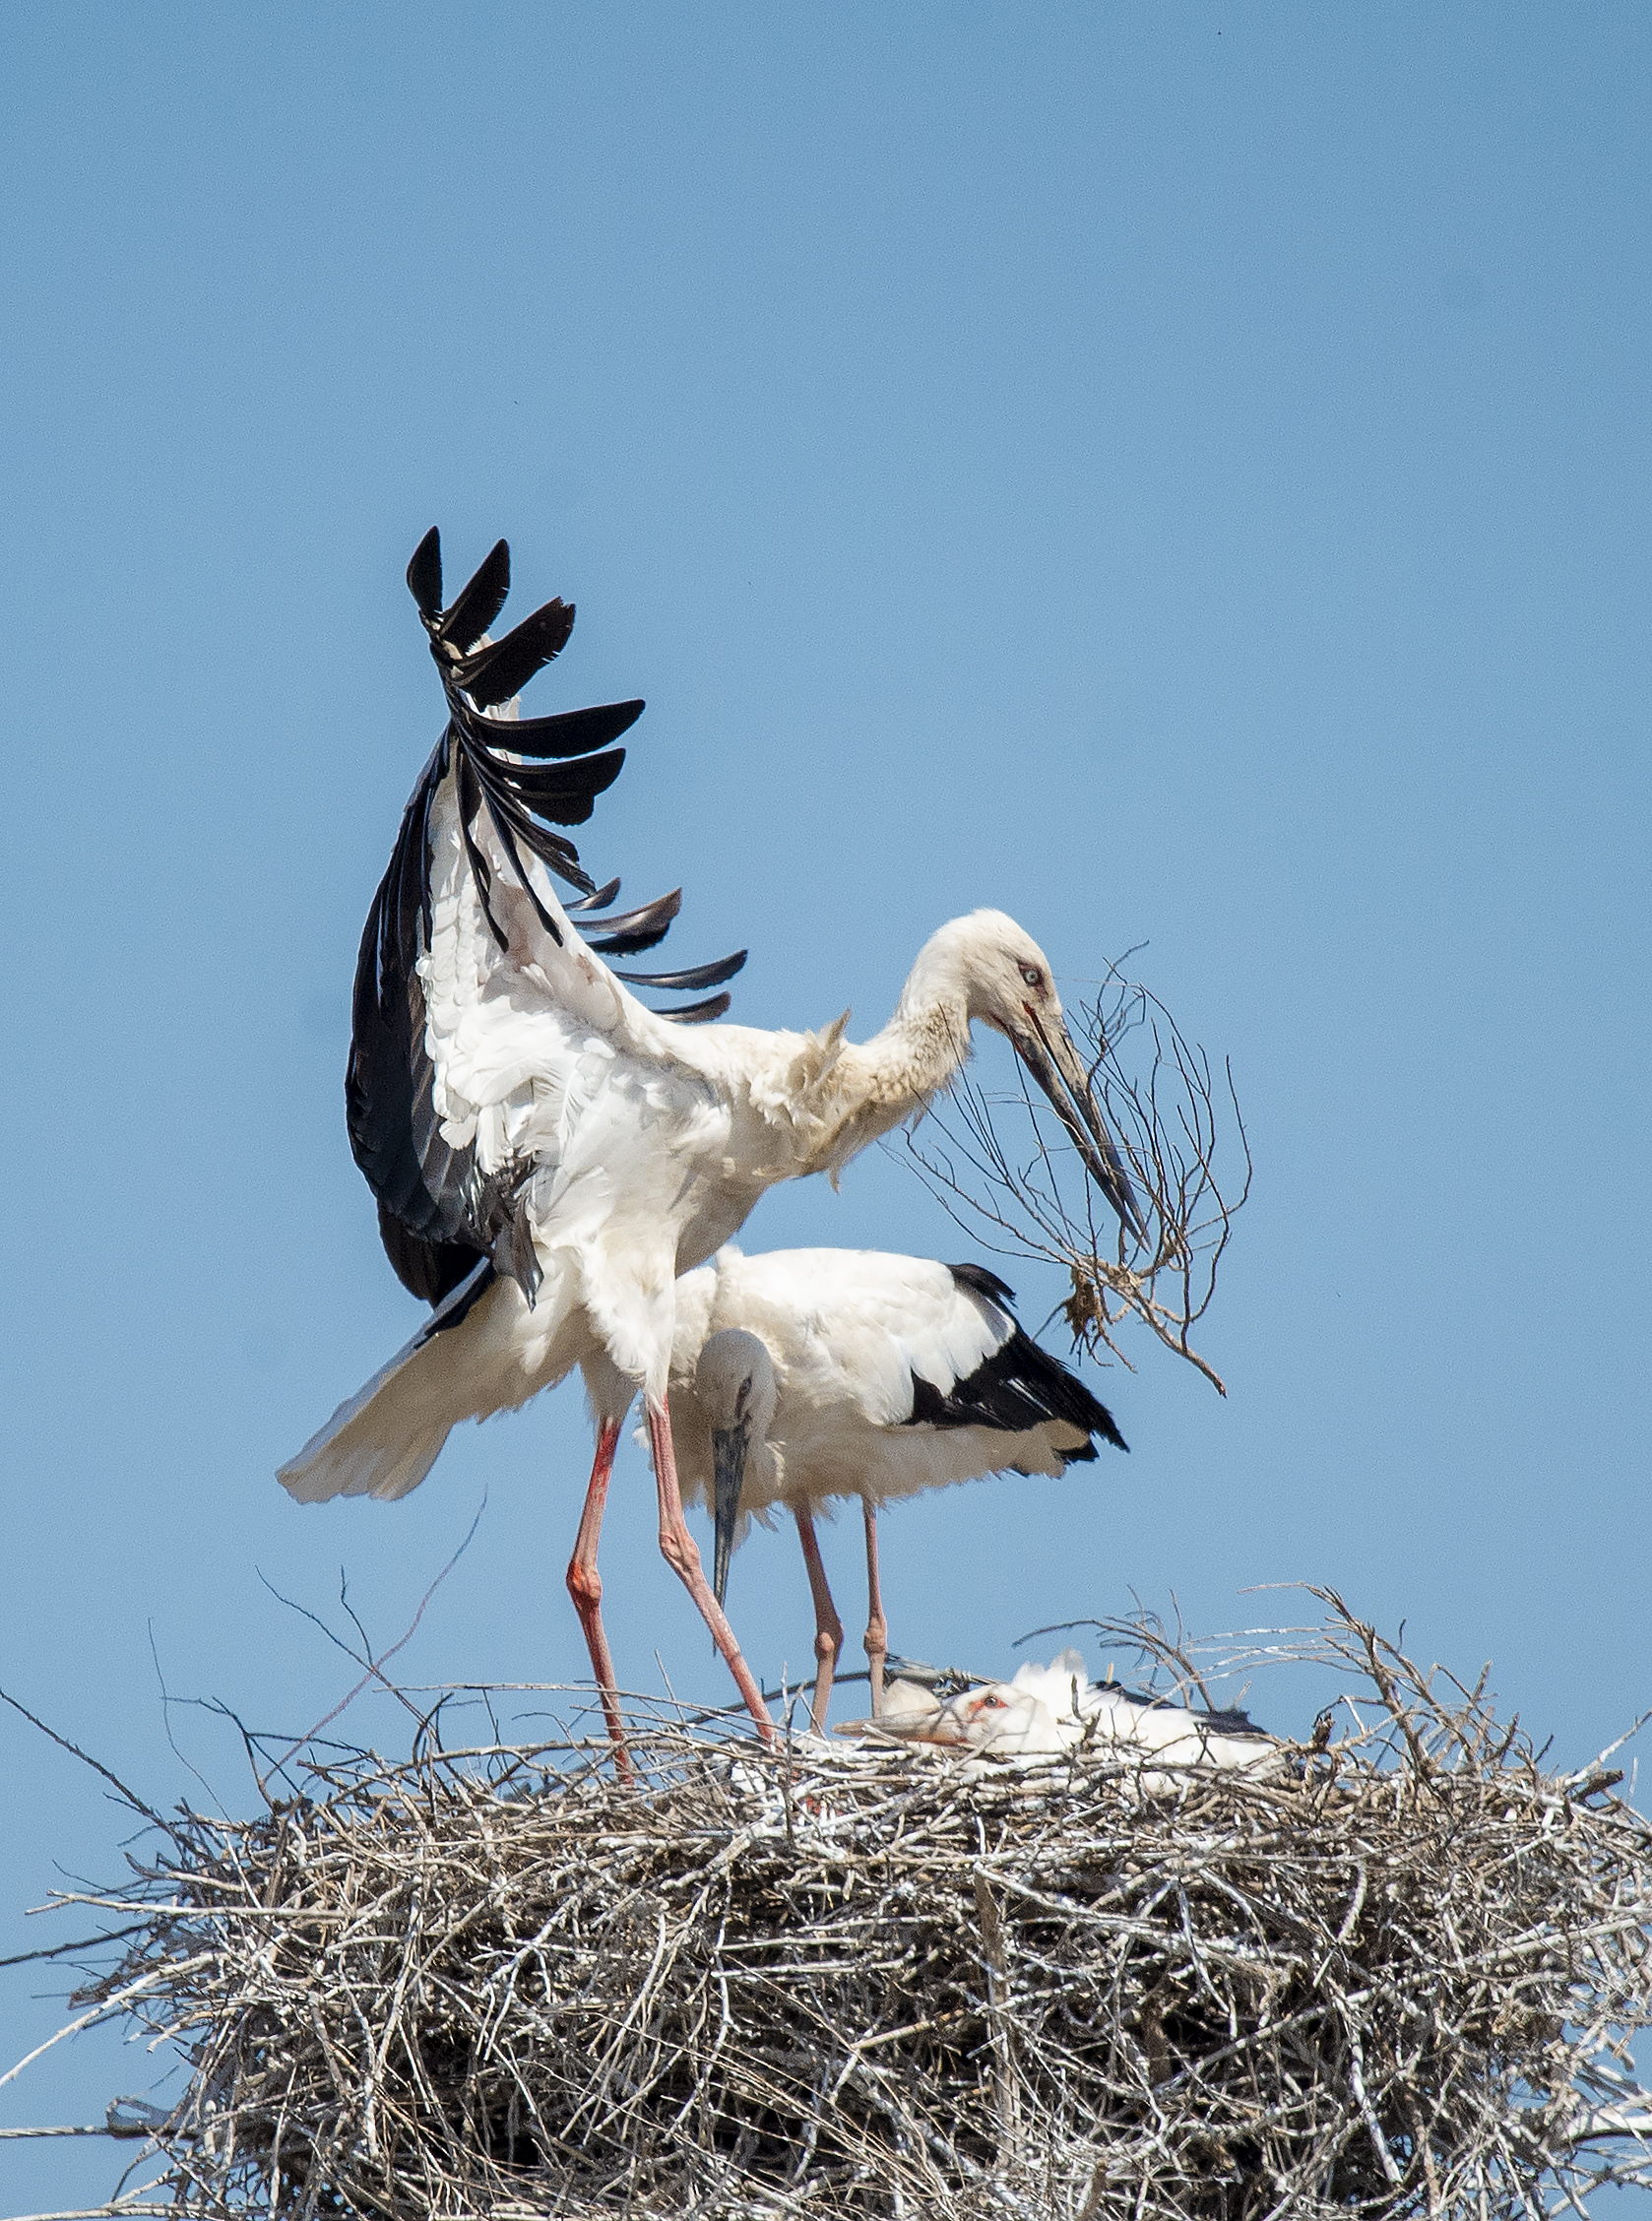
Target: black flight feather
[
  {"x": 424, "y": 574},
  {"x": 478, "y": 602},
  {"x": 501, "y": 817},
  {"x": 492, "y": 674},
  {"x": 387, "y": 1028},
  {"x": 466, "y": 1295},
  {"x": 599, "y": 901},
  {"x": 699, "y": 1013},
  {"x": 628, "y": 932},
  {"x": 429, "y": 1270},
  {"x": 560, "y": 855},
  {"x": 457, "y": 1302},
  {"x": 574, "y": 732},
  {"x": 632, "y": 944},
  {"x": 983, "y": 1283},
  {"x": 697, "y": 976},
  {"x": 563, "y": 792}
]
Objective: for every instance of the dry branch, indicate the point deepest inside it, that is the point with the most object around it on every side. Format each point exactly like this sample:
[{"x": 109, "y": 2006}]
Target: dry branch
[
  {"x": 1004, "y": 1170},
  {"x": 856, "y": 1982}
]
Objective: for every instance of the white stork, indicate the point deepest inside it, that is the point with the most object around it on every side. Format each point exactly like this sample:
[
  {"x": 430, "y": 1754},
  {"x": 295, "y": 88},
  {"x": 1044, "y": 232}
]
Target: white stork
[
  {"x": 808, "y": 1375},
  {"x": 547, "y": 1153},
  {"x": 1054, "y": 1710}
]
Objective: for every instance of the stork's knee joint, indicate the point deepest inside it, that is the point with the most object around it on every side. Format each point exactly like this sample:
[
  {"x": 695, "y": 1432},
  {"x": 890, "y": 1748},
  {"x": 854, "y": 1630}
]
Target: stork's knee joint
[
  {"x": 584, "y": 1586},
  {"x": 681, "y": 1551}
]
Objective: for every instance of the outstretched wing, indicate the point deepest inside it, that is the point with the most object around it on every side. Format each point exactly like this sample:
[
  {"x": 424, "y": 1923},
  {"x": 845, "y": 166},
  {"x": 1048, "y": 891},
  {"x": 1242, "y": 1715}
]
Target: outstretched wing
[{"x": 434, "y": 1123}]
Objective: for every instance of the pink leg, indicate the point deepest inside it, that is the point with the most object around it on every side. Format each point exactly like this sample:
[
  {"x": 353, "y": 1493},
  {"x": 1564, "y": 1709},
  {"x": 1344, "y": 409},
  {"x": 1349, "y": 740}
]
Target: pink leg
[
  {"x": 828, "y": 1627},
  {"x": 877, "y": 1627},
  {"x": 584, "y": 1586},
  {"x": 678, "y": 1550}
]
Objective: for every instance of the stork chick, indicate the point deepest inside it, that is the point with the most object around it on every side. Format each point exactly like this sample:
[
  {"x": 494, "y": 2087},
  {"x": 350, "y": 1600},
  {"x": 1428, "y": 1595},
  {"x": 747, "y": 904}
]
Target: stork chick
[{"x": 1051, "y": 1711}]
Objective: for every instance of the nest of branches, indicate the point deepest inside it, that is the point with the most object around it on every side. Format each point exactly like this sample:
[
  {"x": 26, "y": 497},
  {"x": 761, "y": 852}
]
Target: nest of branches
[
  {"x": 861, "y": 1981},
  {"x": 1004, "y": 1170}
]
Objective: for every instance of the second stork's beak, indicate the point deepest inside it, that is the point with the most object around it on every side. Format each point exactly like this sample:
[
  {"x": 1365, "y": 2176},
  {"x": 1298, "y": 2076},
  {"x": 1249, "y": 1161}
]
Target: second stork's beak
[
  {"x": 1050, "y": 1056},
  {"x": 728, "y": 1446},
  {"x": 955, "y": 1725}
]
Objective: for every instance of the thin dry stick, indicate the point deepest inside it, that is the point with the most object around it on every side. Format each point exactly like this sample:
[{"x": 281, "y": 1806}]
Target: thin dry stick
[{"x": 375, "y": 1667}]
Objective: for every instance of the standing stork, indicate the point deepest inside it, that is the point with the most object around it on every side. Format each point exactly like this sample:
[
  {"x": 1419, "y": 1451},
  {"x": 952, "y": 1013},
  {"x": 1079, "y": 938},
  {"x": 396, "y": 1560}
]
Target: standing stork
[
  {"x": 547, "y": 1153},
  {"x": 812, "y": 1373}
]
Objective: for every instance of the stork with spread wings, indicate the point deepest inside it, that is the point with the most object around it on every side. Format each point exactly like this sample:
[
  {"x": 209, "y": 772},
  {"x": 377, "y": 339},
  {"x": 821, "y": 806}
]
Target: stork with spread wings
[{"x": 547, "y": 1153}]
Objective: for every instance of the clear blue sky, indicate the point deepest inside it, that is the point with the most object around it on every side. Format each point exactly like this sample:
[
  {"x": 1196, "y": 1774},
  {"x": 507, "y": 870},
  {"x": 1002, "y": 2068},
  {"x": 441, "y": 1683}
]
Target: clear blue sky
[{"x": 1176, "y": 474}]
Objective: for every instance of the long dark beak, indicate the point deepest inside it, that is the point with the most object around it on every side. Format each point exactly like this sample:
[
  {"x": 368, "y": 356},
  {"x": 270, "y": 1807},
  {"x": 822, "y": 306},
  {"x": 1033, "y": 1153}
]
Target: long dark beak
[
  {"x": 1053, "y": 1062},
  {"x": 947, "y": 1725},
  {"x": 728, "y": 1448}
]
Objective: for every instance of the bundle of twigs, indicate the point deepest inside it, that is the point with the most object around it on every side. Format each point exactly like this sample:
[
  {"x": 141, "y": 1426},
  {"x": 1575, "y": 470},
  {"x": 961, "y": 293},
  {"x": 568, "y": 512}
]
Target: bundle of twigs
[
  {"x": 1003, "y": 1170},
  {"x": 858, "y": 1980}
]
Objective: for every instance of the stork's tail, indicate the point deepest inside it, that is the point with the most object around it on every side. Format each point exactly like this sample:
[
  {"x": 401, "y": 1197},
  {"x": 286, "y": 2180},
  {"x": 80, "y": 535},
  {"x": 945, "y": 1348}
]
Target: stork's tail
[{"x": 387, "y": 1436}]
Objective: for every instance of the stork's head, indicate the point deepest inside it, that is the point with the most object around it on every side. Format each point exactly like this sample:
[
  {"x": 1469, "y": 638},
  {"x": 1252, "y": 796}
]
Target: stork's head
[
  {"x": 1001, "y": 975},
  {"x": 734, "y": 1382}
]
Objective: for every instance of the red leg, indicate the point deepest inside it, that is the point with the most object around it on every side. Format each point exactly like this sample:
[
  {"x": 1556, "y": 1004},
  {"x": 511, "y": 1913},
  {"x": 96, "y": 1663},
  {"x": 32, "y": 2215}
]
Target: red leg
[
  {"x": 678, "y": 1550},
  {"x": 828, "y": 1627},
  {"x": 584, "y": 1586},
  {"x": 877, "y": 1627}
]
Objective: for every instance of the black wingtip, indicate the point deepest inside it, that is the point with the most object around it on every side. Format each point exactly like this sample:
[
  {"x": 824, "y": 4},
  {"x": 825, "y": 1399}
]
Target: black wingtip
[
  {"x": 571, "y": 732},
  {"x": 985, "y": 1283},
  {"x": 598, "y": 899},
  {"x": 478, "y": 600},
  {"x": 697, "y": 976},
  {"x": 632, "y": 932},
  {"x": 494, "y": 673},
  {"x": 1016, "y": 1388},
  {"x": 699, "y": 1013},
  {"x": 424, "y": 574}
]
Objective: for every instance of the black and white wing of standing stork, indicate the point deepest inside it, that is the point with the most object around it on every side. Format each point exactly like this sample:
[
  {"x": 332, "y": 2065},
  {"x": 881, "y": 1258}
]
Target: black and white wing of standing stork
[
  {"x": 547, "y": 1153},
  {"x": 811, "y": 1375}
]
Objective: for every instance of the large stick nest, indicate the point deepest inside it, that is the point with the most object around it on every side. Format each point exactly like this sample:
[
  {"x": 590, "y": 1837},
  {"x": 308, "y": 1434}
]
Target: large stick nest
[{"x": 860, "y": 1980}]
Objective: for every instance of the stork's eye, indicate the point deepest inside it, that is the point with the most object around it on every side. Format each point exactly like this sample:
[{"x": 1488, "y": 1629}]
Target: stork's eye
[
  {"x": 1033, "y": 976},
  {"x": 994, "y": 1704}
]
